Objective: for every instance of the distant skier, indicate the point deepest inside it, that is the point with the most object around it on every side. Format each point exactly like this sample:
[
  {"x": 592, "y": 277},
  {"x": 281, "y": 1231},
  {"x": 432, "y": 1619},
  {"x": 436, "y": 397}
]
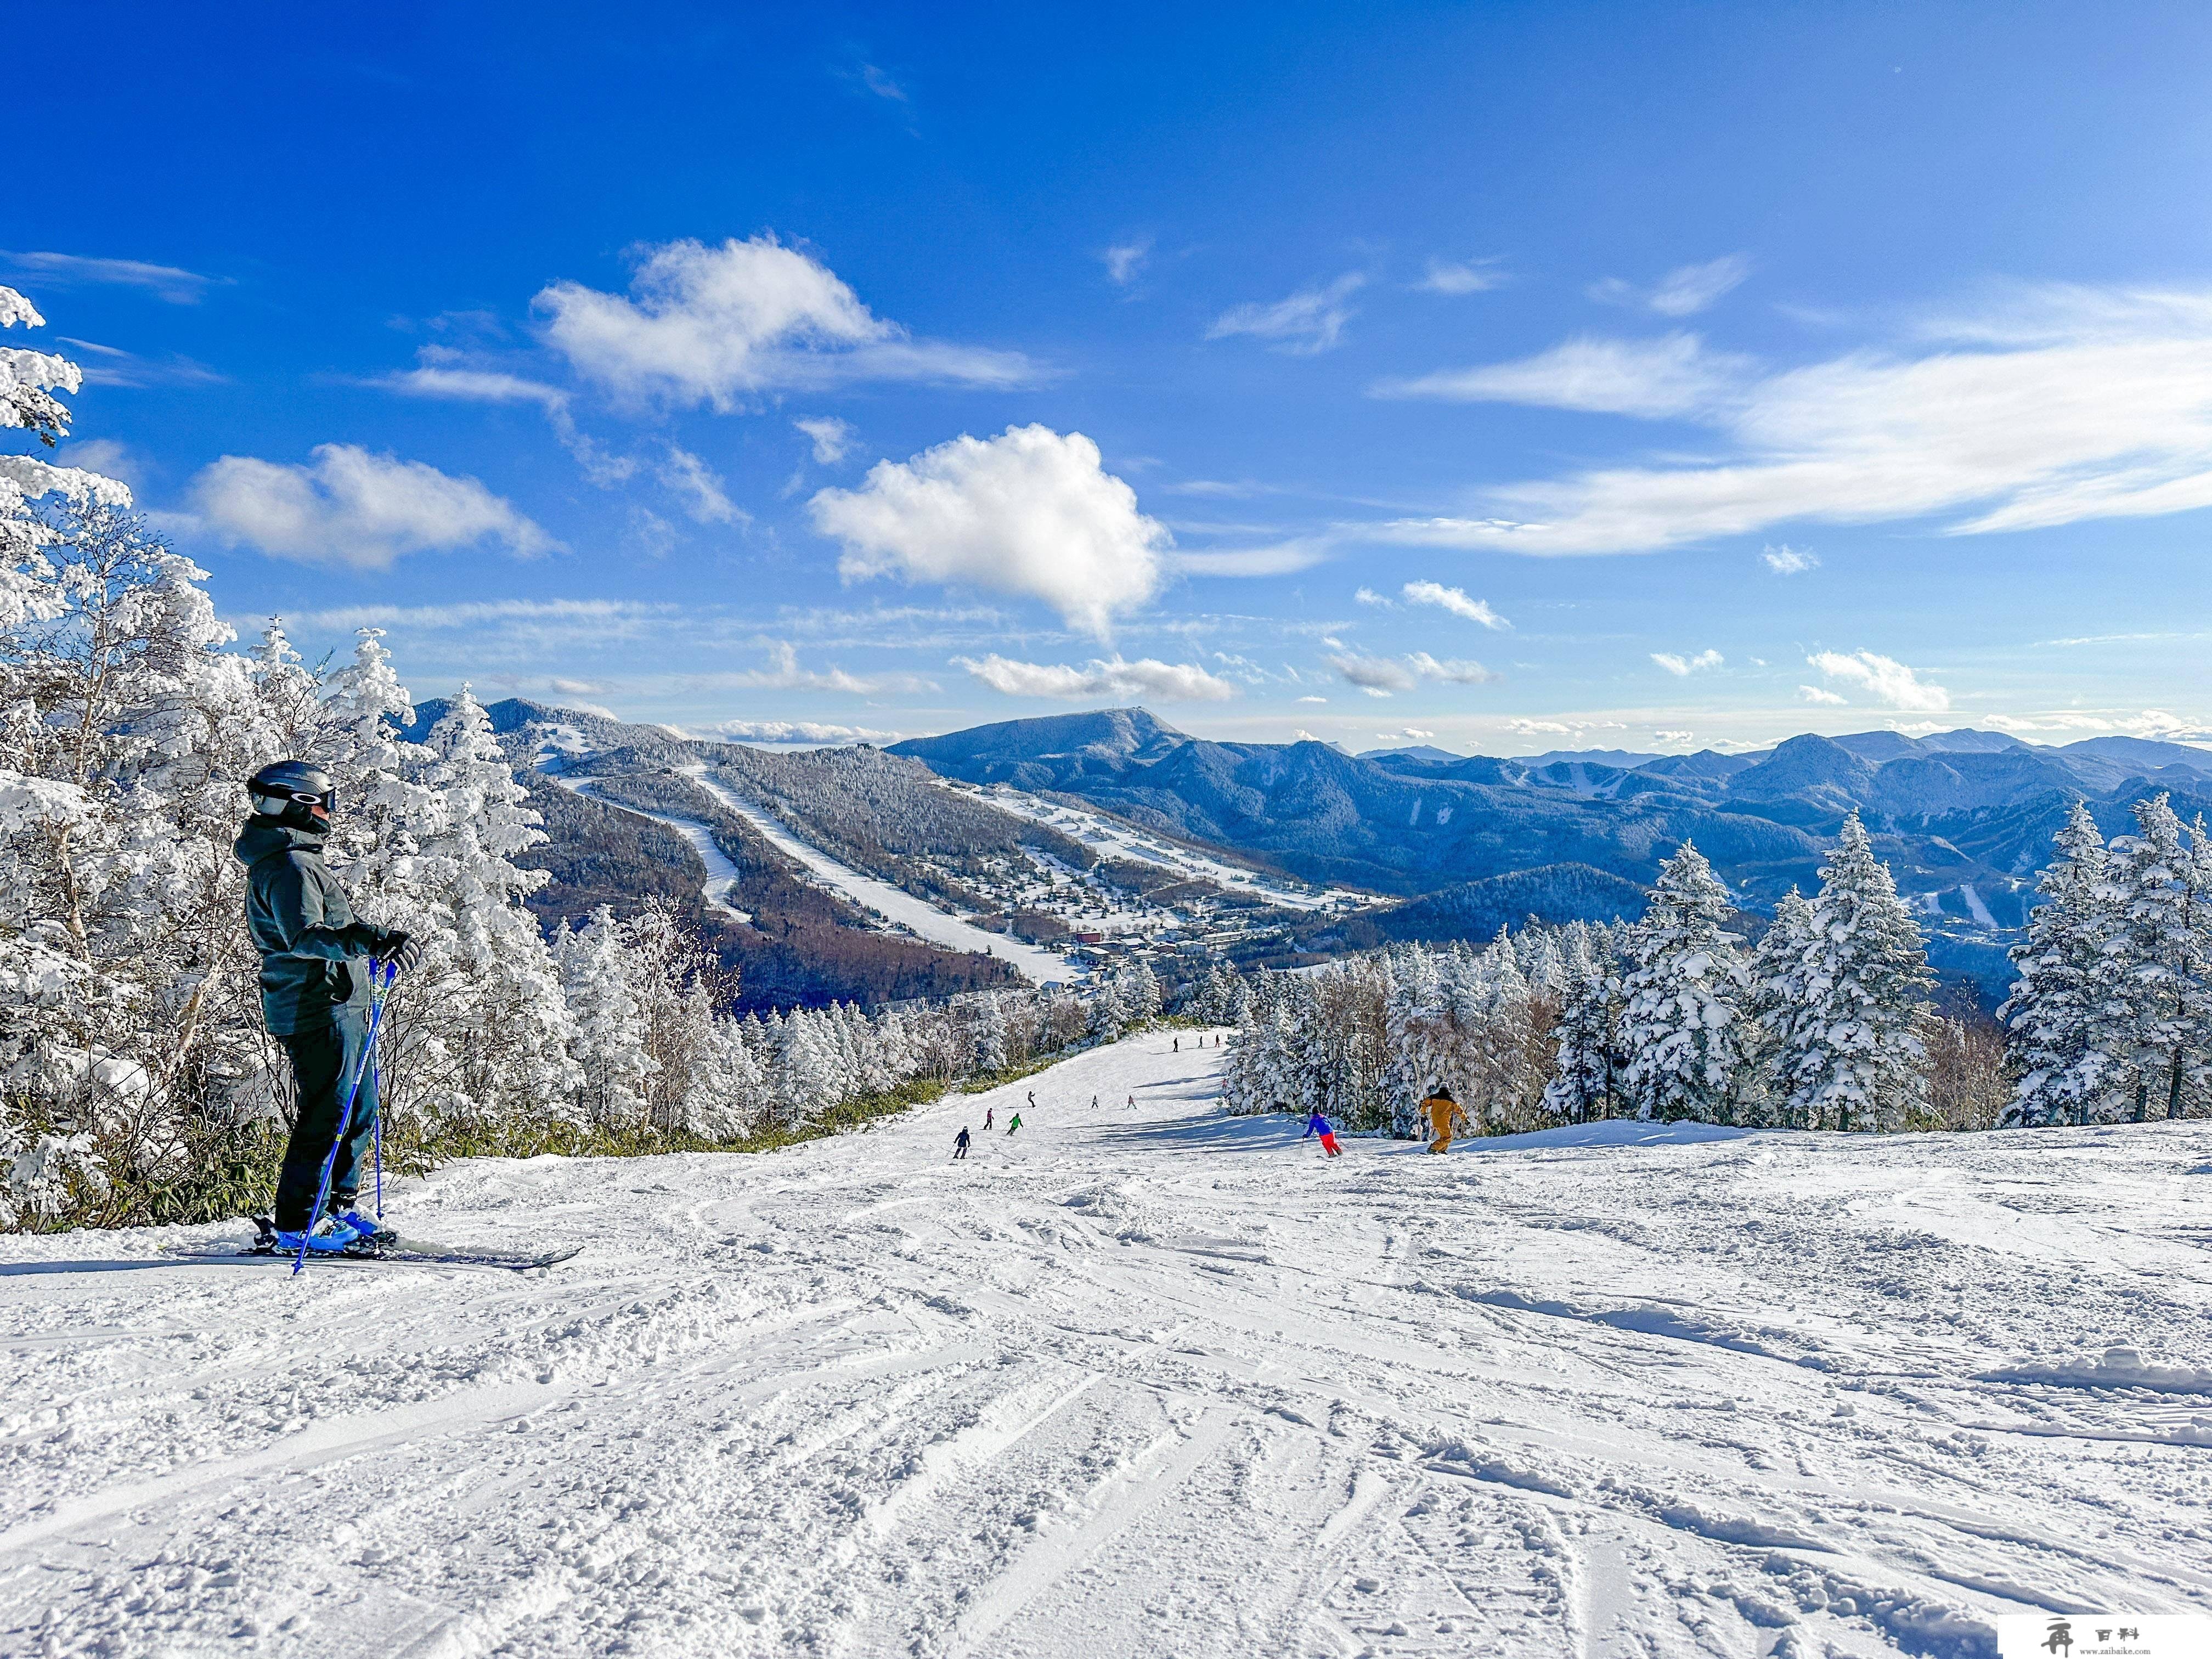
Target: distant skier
[
  {"x": 960, "y": 1142},
  {"x": 1444, "y": 1113},
  {"x": 1033, "y": 1100},
  {"x": 1133, "y": 1102},
  {"x": 987, "y": 1111},
  {"x": 1318, "y": 1125},
  {"x": 1178, "y": 1044},
  {"x": 315, "y": 964},
  {"x": 1013, "y": 1123}
]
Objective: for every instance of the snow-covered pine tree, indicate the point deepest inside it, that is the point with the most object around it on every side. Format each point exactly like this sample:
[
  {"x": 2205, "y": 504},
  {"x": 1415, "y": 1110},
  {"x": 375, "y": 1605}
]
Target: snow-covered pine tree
[
  {"x": 487, "y": 990},
  {"x": 1109, "y": 1012},
  {"x": 2161, "y": 955},
  {"x": 1780, "y": 1001},
  {"x": 1853, "y": 1059},
  {"x": 990, "y": 1045},
  {"x": 2060, "y": 1067},
  {"x": 1583, "y": 1085},
  {"x": 607, "y": 1020},
  {"x": 1683, "y": 1000}
]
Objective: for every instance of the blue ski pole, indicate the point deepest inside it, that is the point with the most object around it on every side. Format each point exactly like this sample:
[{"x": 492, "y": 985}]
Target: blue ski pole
[
  {"x": 376, "y": 1078},
  {"x": 345, "y": 1117}
]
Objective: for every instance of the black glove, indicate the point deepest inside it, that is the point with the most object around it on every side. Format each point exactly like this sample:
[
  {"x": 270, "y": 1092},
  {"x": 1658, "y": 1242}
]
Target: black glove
[{"x": 400, "y": 950}]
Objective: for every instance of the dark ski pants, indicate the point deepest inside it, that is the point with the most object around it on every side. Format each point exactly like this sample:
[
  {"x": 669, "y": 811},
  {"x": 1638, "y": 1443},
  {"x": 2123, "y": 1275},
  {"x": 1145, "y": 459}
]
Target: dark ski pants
[{"x": 323, "y": 1063}]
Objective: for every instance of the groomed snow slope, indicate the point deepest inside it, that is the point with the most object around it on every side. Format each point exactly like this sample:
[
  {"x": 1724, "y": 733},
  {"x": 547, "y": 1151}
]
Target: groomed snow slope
[
  {"x": 918, "y": 916},
  {"x": 1146, "y": 1382}
]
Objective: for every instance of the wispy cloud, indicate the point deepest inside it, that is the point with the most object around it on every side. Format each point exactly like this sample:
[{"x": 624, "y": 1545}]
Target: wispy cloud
[
  {"x": 1682, "y": 292},
  {"x": 168, "y": 283},
  {"x": 1655, "y": 379},
  {"x": 2048, "y": 407},
  {"x": 1457, "y": 276},
  {"x": 1125, "y": 261},
  {"x": 1786, "y": 560},
  {"x": 1680, "y": 666},
  {"x": 111, "y": 365},
  {"x": 1310, "y": 320},
  {"x": 1455, "y": 600},
  {"x": 1816, "y": 693},
  {"x": 784, "y": 673},
  {"x": 697, "y": 486}
]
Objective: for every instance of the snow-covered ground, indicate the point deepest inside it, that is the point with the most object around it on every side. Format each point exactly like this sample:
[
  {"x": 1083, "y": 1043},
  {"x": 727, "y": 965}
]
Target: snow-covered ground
[
  {"x": 721, "y": 873},
  {"x": 917, "y": 915},
  {"x": 1144, "y": 1381},
  {"x": 1124, "y": 840}
]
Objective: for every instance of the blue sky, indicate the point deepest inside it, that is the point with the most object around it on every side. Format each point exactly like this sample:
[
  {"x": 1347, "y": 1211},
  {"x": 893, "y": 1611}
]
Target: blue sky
[{"x": 1509, "y": 376}]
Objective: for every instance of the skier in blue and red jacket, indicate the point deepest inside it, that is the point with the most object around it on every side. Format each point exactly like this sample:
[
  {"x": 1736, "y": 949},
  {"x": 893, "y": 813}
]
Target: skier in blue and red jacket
[{"x": 1318, "y": 1125}]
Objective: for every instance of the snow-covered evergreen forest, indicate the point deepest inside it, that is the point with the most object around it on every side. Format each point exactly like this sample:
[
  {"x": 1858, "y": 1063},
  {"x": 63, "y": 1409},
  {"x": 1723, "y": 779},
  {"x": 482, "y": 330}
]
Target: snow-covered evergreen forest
[{"x": 1826, "y": 1022}]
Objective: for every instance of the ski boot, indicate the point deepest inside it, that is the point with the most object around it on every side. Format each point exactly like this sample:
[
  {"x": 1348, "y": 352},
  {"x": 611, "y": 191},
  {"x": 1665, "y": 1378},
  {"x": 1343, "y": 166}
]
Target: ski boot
[
  {"x": 330, "y": 1236},
  {"x": 372, "y": 1231}
]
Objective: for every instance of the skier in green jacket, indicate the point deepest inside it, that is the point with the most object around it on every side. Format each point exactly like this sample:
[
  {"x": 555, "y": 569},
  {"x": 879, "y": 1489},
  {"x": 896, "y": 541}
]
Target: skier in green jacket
[{"x": 316, "y": 959}]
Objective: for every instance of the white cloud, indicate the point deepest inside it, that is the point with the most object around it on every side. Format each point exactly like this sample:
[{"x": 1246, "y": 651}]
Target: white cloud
[
  {"x": 1378, "y": 676},
  {"x": 348, "y": 506},
  {"x": 1031, "y": 511},
  {"x": 1310, "y": 320},
  {"x": 790, "y": 732},
  {"x": 1410, "y": 734},
  {"x": 1814, "y": 693},
  {"x": 695, "y": 483},
  {"x": 711, "y": 325},
  {"x": 1124, "y": 260},
  {"x": 599, "y": 619},
  {"x": 831, "y": 436},
  {"x": 1669, "y": 376},
  {"x": 1674, "y": 737},
  {"x": 1682, "y": 292},
  {"x": 1461, "y": 276},
  {"x": 1887, "y": 679},
  {"x": 1280, "y": 559},
  {"x": 784, "y": 673},
  {"x": 1166, "y": 682},
  {"x": 474, "y": 386},
  {"x": 1369, "y": 596},
  {"x": 177, "y": 287},
  {"x": 1452, "y": 670},
  {"x": 1787, "y": 560},
  {"x": 2149, "y": 723},
  {"x": 1453, "y": 599},
  {"x": 2045, "y": 407},
  {"x": 575, "y": 687},
  {"x": 1313, "y": 699},
  {"x": 881, "y": 84},
  {"x": 1679, "y": 664},
  {"x": 1304, "y": 736}
]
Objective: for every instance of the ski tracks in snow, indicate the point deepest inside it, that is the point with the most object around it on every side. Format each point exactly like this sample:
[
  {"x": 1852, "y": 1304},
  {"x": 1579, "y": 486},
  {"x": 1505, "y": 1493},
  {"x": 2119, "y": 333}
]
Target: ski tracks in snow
[{"x": 1158, "y": 1382}]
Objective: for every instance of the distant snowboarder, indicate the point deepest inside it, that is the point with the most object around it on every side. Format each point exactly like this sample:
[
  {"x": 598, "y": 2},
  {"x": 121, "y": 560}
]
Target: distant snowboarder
[
  {"x": 1013, "y": 1123},
  {"x": 1318, "y": 1125},
  {"x": 960, "y": 1142},
  {"x": 315, "y": 965},
  {"x": 1444, "y": 1113}
]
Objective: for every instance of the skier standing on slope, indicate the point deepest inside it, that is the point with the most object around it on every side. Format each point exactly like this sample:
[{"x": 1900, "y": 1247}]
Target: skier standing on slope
[
  {"x": 1318, "y": 1125},
  {"x": 987, "y": 1111},
  {"x": 316, "y": 959},
  {"x": 960, "y": 1142},
  {"x": 1444, "y": 1113}
]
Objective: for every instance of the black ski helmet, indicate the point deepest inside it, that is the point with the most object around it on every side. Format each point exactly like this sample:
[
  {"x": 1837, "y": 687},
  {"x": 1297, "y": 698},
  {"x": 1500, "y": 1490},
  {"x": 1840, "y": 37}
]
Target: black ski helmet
[{"x": 297, "y": 793}]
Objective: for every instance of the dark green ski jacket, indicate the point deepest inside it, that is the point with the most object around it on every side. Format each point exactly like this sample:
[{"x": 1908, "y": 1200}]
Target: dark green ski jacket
[{"x": 300, "y": 920}]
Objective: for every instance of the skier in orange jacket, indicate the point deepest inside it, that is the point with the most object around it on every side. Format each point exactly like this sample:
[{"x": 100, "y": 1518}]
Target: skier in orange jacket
[{"x": 1444, "y": 1113}]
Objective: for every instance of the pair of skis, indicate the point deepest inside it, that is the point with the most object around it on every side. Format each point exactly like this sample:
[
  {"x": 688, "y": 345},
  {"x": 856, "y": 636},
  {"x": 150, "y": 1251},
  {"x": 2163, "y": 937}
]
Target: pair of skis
[{"x": 401, "y": 1248}]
